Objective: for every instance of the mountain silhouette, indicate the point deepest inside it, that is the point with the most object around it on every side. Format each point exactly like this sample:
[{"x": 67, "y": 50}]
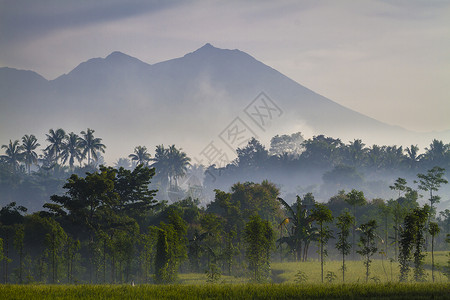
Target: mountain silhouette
[{"x": 187, "y": 101}]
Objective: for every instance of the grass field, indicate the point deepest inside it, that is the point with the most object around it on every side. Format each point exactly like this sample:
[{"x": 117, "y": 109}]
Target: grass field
[
  {"x": 380, "y": 271},
  {"x": 283, "y": 286},
  {"x": 229, "y": 291}
]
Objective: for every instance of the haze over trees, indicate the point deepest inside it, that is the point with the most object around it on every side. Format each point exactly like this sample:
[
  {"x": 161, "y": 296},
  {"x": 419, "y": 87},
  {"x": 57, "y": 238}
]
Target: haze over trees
[{"x": 64, "y": 217}]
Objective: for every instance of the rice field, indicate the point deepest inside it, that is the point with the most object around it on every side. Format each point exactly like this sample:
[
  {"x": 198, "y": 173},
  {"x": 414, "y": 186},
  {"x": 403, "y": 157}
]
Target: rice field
[
  {"x": 229, "y": 291},
  {"x": 282, "y": 285}
]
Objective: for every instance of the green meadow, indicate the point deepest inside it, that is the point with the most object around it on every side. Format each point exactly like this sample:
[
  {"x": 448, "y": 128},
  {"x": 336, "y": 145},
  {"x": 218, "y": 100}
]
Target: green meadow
[
  {"x": 230, "y": 291},
  {"x": 282, "y": 285}
]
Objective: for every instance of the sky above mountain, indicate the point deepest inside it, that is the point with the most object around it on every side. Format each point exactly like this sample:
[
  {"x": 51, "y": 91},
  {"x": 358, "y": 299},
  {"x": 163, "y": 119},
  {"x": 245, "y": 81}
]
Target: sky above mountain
[{"x": 389, "y": 60}]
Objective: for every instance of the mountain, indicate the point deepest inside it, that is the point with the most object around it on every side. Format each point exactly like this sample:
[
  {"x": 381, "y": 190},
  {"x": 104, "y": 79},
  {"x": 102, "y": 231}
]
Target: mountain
[{"x": 189, "y": 101}]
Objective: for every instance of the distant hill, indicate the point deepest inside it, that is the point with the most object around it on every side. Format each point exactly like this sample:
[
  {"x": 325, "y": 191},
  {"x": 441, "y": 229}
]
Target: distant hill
[{"x": 188, "y": 101}]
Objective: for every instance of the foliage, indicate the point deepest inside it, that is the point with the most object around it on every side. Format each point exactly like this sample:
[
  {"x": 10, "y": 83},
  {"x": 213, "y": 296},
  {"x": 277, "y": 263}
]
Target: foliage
[
  {"x": 344, "y": 223},
  {"x": 330, "y": 277},
  {"x": 412, "y": 237},
  {"x": 300, "y": 232},
  {"x": 259, "y": 239},
  {"x": 301, "y": 277},
  {"x": 321, "y": 214},
  {"x": 213, "y": 274},
  {"x": 367, "y": 244}
]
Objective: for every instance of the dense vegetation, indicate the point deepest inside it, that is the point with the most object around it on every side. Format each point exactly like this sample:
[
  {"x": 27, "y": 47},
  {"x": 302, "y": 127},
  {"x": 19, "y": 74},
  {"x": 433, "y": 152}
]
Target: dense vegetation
[{"x": 101, "y": 224}]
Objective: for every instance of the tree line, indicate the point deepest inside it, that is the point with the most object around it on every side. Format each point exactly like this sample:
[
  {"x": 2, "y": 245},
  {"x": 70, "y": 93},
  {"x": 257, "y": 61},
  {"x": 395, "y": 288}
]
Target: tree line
[
  {"x": 103, "y": 224},
  {"x": 107, "y": 227}
]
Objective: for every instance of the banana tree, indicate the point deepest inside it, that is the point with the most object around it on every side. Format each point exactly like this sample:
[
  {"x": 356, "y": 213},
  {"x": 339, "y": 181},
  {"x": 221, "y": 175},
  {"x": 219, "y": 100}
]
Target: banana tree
[{"x": 300, "y": 231}]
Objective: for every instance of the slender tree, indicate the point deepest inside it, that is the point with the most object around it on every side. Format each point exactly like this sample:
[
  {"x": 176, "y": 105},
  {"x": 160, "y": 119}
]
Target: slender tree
[
  {"x": 29, "y": 144},
  {"x": 140, "y": 155},
  {"x": 367, "y": 244},
  {"x": 321, "y": 214},
  {"x": 433, "y": 230},
  {"x": 56, "y": 140},
  {"x": 71, "y": 149},
  {"x": 344, "y": 223},
  {"x": 179, "y": 163},
  {"x": 412, "y": 238},
  {"x": 13, "y": 154},
  {"x": 355, "y": 198},
  {"x": 431, "y": 182},
  {"x": 91, "y": 145}
]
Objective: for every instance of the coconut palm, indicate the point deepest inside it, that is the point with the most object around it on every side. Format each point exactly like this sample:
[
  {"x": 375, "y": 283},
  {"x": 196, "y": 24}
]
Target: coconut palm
[
  {"x": 161, "y": 164},
  {"x": 91, "y": 145},
  {"x": 13, "y": 153},
  {"x": 178, "y": 163},
  {"x": 140, "y": 155},
  {"x": 122, "y": 162},
  {"x": 56, "y": 139},
  {"x": 71, "y": 149},
  {"x": 436, "y": 153},
  {"x": 29, "y": 144},
  {"x": 412, "y": 156}
]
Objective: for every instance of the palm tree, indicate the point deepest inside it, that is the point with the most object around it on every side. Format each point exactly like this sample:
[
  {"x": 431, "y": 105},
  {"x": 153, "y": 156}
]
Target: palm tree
[
  {"x": 71, "y": 149},
  {"x": 122, "y": 162},
  {"x": 140, "y": 155},
  {"x": 412, "y": 156},
  {"x": 13, "y": 153},
  {"x": 161, "y": 165},
  {"x": 91, "y": 145},
  {"x": 178, "y": 163},
  {"x": 55, "y": 138},
  {"x": 29, "y": 144},
  {"x": 436, "y": 153},
  {"x": 356, "y": 152}
]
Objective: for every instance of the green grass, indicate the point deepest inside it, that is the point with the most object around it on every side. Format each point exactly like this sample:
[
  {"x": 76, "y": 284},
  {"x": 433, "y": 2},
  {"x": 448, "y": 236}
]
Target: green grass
[
  {"x": 382, "y": 270},
  {"x": 194, "y": 286},
  {"x": 228, "y": 291}
]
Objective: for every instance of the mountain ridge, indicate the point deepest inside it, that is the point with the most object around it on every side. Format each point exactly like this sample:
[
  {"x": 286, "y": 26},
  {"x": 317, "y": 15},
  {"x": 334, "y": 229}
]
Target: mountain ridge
[{"x": 187, "y": 100}]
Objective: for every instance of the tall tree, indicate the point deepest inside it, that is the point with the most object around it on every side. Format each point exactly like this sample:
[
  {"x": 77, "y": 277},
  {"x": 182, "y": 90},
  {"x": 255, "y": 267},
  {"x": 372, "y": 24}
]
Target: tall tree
[
  {"x": 71, "y": 150},
  {"x": 56, "y": 140},
  {"x": 178, "y": 163},
  {"x": 400, "y": 186},
  {"x": 301, "y": 231},
  {"x": 91, "y": 145},
  {"x": 344, "y": 223},
  {"x": 433, "y": 230},
  {"x": 259, "y": 239},
  {"x": 13, "y": 154},
  {"x": 436, "y": 153},
  {"x": 367, "y": 244},
  {"x": 412, "y": 156},
  {"x": 29, "y": 144},
  {"x": 355, "y": 198},
  {"x": 161, "y": 165},
  {"x": 321, "y": 214},
  {"x": 412, "y": 238},
  {"x": 431, "y": 182},
  {"x": 140, "y": 155},
  {"x": 252, "y": 156},
  {"x": 11, "y": 215}
]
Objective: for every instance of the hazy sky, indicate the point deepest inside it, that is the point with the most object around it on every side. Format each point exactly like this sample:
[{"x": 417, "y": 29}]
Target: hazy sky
[{"x": 387, "y": 59}]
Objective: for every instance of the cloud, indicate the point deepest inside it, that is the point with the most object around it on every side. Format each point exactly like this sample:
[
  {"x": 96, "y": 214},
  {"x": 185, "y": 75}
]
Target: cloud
[
  {"x": 367, "y": 55},
  {"x": 24, "y": 19}
]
